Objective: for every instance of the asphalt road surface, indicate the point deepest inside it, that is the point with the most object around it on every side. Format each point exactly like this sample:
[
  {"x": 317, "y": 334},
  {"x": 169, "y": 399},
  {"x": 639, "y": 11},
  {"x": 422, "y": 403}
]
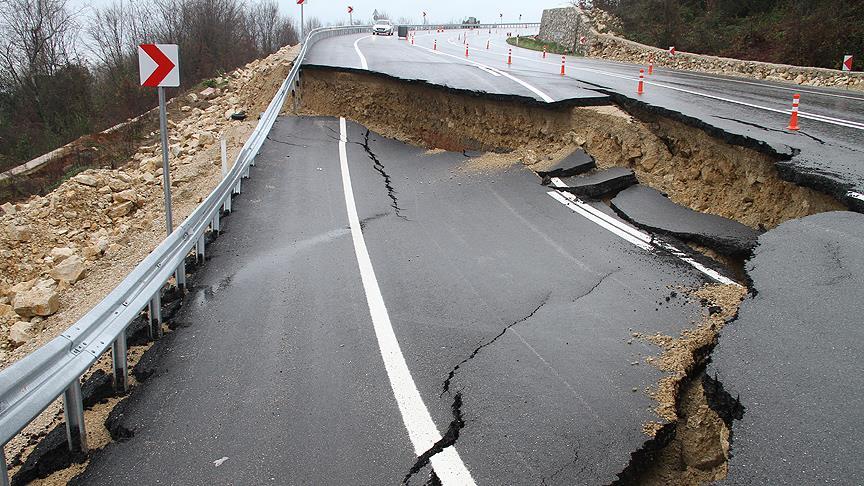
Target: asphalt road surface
[
  {"x": 362, "y": 305},
  {"x": 826, "y": 153}
]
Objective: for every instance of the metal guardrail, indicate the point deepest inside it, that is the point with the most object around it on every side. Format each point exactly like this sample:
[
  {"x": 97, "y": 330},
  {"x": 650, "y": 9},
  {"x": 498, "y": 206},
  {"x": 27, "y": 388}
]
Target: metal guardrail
[{"x": 30, "y": 385}]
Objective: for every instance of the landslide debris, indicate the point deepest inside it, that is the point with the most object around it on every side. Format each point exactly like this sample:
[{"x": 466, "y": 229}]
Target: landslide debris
[{"x": 694, "y": 168}]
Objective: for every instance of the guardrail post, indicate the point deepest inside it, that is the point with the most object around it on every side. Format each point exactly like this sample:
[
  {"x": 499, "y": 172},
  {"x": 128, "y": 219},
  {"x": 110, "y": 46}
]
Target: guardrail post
[
  {"x": 73, "y": 414},
  {"x": 199, "y": 248},
  {"x": 237, "y": 187},
  {"x": 180, "y": 275},
  {"x": 121, "y": 363},
  {"x": 226, "y": 205},
  {"x": 156, "y": 316},
  {"x": 214, "y": 225},
  {"x": 4, "y": 473}
]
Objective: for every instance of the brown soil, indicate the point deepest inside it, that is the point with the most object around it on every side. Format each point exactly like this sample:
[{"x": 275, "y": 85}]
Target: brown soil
[
  {"x": 698, "y": 450},
  {"x": 694, "y": 168}
]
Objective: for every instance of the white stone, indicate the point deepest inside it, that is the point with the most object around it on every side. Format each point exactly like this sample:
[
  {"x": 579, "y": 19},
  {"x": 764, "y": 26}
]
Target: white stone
[{"x": 69, "y": 270}]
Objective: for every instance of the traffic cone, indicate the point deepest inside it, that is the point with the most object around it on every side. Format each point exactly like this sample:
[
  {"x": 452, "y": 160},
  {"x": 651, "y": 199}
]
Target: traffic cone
[
  {"x": 435, "y": 45},
  {"x": 544, "y": 52},
  {"x": 563, "y": 60},
  {"x": 487, "y": 45},
  {"x": 466, "y": 49},
  {"x": 641, "y": 88},
  {"x": 510, "y": 57},
  {"x": 650, "y": 68},
  {"x": 793, "y": 121}
]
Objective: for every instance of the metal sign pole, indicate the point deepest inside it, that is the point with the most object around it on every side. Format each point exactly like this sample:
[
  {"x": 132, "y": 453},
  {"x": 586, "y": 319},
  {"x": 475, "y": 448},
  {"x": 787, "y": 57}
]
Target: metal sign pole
[
  {"x": 166, "y": 169},
  {"x": 302, "y": 26}
]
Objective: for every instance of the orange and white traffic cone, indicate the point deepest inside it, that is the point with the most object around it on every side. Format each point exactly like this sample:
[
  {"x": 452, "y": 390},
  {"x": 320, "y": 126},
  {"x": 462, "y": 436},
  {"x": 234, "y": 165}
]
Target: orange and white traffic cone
[
  {"x": 641, "y": 88},
  {"x": 563, "y": 61},
  {"x": 650, "y": 68},
  {"x": 510, "y": 57},
  {"x": 544, "y": 52},
  {"x": 793, "y": 121}
]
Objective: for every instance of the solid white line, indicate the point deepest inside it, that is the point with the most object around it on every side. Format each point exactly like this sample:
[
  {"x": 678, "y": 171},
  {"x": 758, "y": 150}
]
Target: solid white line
[
  {"x": 542, "y": 95},
  {"x": 421, "y": 429},
  {"x": 578, "y": 209},
  {"x": 641, "y": 239},
  {"x": 362, "y": 57}
]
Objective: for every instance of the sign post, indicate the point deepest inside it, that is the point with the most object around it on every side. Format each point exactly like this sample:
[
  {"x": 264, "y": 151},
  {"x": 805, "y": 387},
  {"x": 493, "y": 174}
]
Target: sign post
[
  {"x": 159, "y": 68},
  {"x": 301, "y": 2}
]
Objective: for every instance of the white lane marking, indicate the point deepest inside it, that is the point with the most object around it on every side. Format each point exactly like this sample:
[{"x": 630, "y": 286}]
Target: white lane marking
[
  {"x": 806, "y": 115},
  {"x": 856, "y": 195},
  {"x": 489, "y": 71},
  {"x": 638, "y": 238},
  {"x": 359, "y": 53},
  {"x": 421, "y": 429},
  {"x": 541, "y": 94}
]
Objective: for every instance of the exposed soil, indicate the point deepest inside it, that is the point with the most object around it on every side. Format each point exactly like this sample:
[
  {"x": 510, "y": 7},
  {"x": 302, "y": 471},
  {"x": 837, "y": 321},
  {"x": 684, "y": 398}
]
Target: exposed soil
[
  {"x": 692, "y": 447},
  {"x": 695, "y": 169}
]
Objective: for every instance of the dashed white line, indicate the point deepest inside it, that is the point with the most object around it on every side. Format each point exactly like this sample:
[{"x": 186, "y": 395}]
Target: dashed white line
[
  {"x": 636, "y": 237},
  {"x": 421, "y": 429}
]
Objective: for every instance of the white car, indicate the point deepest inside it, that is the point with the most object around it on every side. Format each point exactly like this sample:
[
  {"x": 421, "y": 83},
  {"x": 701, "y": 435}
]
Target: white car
[{"x": 382, "y": 27}]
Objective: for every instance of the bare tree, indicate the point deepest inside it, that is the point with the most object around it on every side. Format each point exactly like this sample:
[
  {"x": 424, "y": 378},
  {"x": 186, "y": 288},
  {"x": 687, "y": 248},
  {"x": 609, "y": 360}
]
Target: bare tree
[{"x": 39, "y": 38}]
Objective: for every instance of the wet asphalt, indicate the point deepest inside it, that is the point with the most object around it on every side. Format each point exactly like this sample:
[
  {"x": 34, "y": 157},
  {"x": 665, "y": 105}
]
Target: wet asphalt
[{"x": 275, "y": 365}]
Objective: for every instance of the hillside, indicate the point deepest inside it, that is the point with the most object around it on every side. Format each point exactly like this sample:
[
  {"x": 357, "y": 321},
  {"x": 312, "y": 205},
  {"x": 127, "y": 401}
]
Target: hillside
[{"x": 804, "y": 33}]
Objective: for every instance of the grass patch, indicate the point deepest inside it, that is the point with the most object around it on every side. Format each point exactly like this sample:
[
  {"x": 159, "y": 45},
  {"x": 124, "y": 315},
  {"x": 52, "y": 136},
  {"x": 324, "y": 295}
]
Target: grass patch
[{"x": 538, "y": 45}]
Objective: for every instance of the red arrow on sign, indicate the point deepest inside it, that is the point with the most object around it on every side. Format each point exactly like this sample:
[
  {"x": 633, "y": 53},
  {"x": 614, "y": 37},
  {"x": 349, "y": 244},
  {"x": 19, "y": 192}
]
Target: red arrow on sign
[
  {"x": 350, "y": 9},
  {"x": 847, "y": 63},
  {"x": 164, "y": 65}
]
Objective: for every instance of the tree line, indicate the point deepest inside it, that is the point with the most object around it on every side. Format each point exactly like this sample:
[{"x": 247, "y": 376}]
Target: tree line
[
  {"x": 800, "y": 32},
  {"x": 66, "y": 72}
]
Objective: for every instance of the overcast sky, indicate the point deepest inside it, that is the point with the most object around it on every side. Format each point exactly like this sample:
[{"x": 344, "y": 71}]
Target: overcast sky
[{"x": 439, "y": 11}]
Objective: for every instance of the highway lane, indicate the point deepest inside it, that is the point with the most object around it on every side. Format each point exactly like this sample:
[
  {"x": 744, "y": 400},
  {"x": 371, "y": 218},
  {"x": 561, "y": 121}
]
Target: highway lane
[
  {"x": 513, "y": 317},
  {"x": 826, "y": 153}
]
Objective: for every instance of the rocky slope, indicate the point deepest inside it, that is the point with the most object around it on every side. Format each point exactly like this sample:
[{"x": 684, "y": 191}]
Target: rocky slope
[{"x": 62, "y": 253}]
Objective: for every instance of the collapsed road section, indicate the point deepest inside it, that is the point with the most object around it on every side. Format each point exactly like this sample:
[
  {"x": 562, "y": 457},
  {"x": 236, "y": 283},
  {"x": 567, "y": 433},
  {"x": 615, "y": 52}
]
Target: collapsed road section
[{"x": 717, "y": 194}]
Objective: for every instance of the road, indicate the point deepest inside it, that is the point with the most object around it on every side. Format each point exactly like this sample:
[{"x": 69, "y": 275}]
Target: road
[
  {"x": 373, "y": 312},
  {"x": 480, "y": 303},
  {"x": 825, "y": 154}
]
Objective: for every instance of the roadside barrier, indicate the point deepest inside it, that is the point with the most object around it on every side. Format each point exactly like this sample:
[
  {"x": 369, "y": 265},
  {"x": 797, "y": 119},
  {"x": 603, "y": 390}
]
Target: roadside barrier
[
  {"x": 510, "y": 57},
  {"x": 466, "y": 49},
  {"x": 650, "y": 68},
  {"x": 793, "y": 120},
  {"x": 641, "y": 88},
  {"x": 435, "y": 45},
  {"x": 563, "y": 62}
]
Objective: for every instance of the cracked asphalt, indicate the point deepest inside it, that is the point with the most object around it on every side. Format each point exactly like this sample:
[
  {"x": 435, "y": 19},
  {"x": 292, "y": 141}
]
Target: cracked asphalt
[{"x": 515, "y": 317}]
